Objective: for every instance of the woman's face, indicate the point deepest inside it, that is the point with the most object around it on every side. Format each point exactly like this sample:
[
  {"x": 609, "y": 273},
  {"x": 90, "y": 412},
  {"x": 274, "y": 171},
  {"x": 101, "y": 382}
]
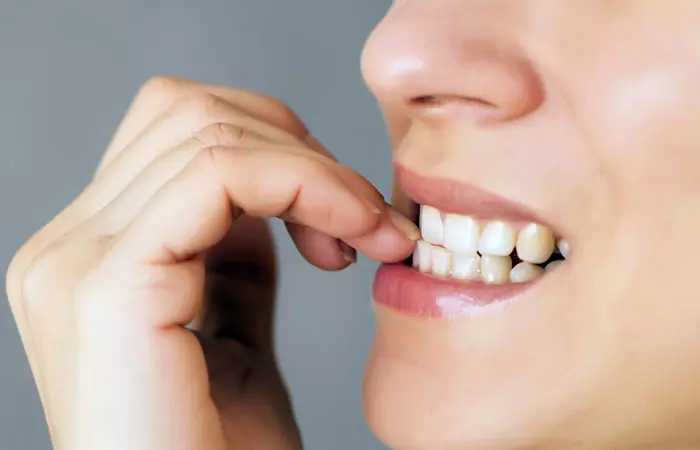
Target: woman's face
[{"x": 581, "y": 115}]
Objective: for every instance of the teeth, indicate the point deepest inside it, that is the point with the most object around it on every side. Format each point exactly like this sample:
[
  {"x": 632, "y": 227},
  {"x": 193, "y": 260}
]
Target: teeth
[
  {"x": 497, "y": 239},
  {"x": 459, "y": 247},
  {"x": 564, "y": 248},
  {"x": 525, "y": 272},
  {"x": 431, "y": 225},
  {"x": 553, "y": 265},
  {"x": 535, "y": 243},
  {"x": 421, "y": 257},
  {"x": 495, "y": 269},
  {"x": 441, "y": 261},
  {"x": 465, "y": 267},
  {"x": 461, "y": 234}
]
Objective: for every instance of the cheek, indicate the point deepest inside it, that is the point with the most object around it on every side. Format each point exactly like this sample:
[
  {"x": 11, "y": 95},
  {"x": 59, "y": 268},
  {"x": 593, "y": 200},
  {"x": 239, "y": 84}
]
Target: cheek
[
  {"x": 641, "y": 120},
  {"x": 643, "y": 125}
]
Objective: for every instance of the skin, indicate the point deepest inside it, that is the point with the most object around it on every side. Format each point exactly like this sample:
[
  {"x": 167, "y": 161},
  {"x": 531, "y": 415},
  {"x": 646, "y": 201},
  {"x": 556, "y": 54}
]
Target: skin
[
  {"x": 583, "y": 111},
  {"x": 159, "y": 240}
]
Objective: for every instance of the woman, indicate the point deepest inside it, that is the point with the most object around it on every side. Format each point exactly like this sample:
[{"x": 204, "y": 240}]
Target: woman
[{"x": 516, "y": 124}]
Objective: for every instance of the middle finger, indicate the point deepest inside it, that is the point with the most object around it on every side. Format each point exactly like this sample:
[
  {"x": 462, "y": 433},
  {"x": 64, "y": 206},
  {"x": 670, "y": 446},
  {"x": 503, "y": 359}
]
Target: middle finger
[{"x": 180, "y": 123}]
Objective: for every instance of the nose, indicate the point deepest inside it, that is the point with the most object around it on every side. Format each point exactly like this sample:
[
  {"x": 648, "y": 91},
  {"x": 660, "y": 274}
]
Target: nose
[{"x": 435, "y": 58}]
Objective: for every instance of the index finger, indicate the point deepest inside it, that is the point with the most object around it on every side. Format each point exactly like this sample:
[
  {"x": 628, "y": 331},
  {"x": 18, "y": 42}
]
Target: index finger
[{"x": 194, "y": 210}]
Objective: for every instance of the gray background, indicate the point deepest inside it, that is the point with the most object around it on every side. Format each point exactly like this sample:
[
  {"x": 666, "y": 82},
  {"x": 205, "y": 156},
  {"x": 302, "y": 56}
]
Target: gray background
[{"x": 68, "y": 70}]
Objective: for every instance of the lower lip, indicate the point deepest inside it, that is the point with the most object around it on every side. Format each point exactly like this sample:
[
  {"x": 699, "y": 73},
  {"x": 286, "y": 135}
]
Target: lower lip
[{"x": 404, "y": 290}]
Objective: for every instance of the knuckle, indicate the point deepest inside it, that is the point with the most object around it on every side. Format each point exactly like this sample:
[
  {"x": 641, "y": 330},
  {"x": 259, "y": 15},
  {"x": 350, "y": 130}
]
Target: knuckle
[
  {"x": 285, "y": 115},
  {"x": 20, "y": 264},
  {"x": 45, "y": 278},
  {"x": 216, "y": 153},
  {"x": 205, "y": 159},
  {"x": 278, "y": 106},
  {"x": 203, "y": 107},
  {"x": 163, "y": 86},
  {"x": 223, "y": 134},
  {"x": 14, "y": 275},
  {"x": 211, "y": 161},
  {"x": 38, "y": 280}
]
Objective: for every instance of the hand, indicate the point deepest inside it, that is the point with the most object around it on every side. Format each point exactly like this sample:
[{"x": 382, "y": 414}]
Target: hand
[{"x": 171, "y": 231}]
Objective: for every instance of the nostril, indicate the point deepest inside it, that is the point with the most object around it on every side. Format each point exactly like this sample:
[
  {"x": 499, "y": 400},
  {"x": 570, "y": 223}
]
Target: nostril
[
  {"x": 426, "y": 100},
  {"x": 441, "y": 101}
]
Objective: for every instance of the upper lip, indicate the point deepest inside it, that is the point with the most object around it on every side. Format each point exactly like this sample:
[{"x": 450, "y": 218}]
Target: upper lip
[{"x": 455, "y": 197}]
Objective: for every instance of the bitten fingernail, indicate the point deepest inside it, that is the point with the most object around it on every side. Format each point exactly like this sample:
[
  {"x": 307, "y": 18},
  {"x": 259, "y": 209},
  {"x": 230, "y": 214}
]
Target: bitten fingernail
[{"x": 349, "y": 253}]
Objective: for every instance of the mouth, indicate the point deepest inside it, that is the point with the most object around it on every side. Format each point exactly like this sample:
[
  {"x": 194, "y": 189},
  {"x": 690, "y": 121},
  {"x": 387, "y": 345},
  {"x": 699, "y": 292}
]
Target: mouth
[{"x": 479, "y": 252}]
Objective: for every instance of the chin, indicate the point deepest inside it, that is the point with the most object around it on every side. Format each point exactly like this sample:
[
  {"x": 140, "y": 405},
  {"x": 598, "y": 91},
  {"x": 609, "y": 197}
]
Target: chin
[{"x": 427, "y": 389}]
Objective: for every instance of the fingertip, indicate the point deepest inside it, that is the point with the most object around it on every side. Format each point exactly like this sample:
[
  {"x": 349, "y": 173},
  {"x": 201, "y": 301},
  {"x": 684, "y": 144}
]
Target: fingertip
[
  {"x": 385, "y": 243},
  {"x": 403, "y": 224}
]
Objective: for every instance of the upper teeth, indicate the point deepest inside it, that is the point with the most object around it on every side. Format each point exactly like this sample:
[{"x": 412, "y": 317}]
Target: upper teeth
[
  {"x": 564, "y": 248},
  {"x": 461, "y": 234},
  {"x": 431, "y": 225},
  {"x": 452, "y": 243},
  {"x": 497, "y": 238},
  {"x": 535, "y": 243}
]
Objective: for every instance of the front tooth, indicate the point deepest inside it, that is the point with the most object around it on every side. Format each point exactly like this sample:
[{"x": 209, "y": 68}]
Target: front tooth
[
  {"x": 461, "y": 234},
  {"x": 465, "y": 267},
  {"x": 525, "y": 272},
  {"x": 421, "y": 257},
  {"x": 535, "y": 243},
  {"x": 441, "y": 261},
  {"x": 495, "y": 269},
  {"x": 431, "y": 225},
  {"x": 564, "y": 248},
  {"x": 553, "y": 265},
  {"x": 498, "y": 239}
]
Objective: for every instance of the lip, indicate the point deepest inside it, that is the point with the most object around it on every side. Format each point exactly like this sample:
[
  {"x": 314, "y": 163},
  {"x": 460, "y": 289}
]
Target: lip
[
  {"x": 461, "y": 198},
  {"x": 407, "y": 291}
]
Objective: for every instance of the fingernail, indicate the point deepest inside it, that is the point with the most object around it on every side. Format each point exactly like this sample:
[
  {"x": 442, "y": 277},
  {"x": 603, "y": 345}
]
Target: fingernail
[
  {"x": 404, "y": 224},
  {"x": 373, "y": 208},
  {"x": 349, "y": 253}
]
